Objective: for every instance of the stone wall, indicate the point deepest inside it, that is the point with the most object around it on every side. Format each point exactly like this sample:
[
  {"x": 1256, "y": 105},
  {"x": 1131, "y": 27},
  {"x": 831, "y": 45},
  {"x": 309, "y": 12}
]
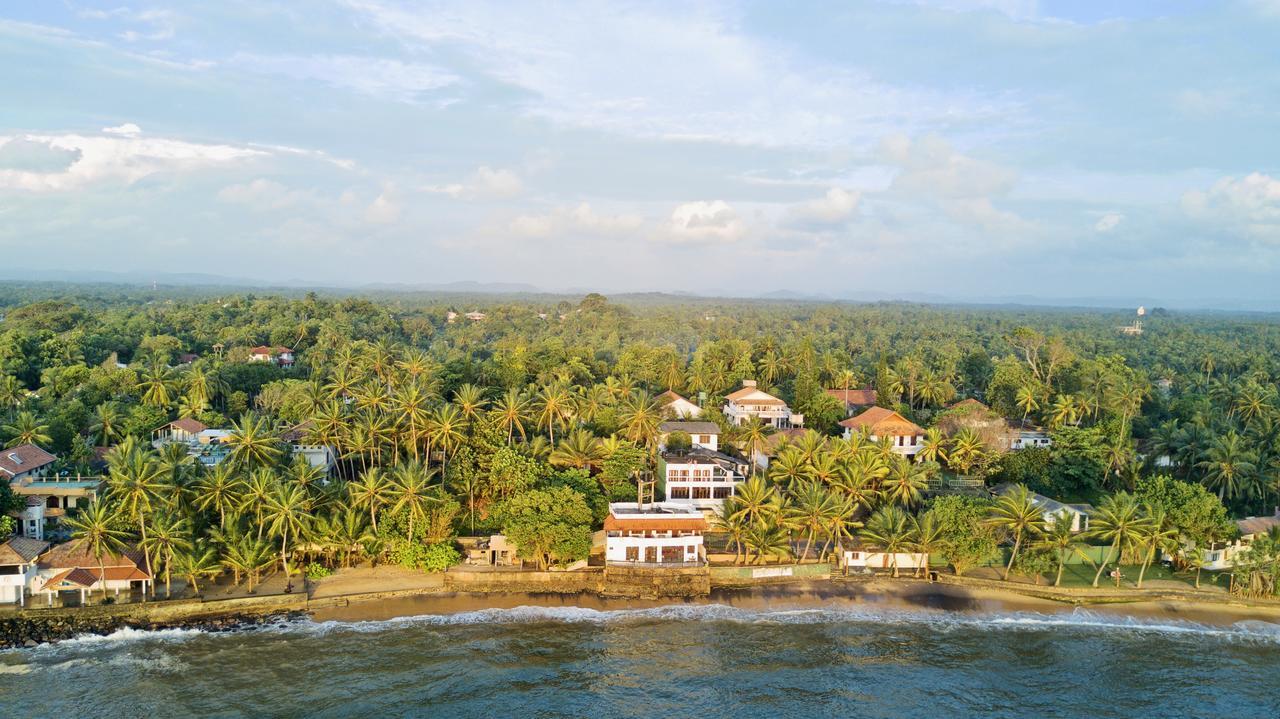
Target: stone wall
[
  {"x": 655, "y": 583},
  {"x": 460, "y": 579}
]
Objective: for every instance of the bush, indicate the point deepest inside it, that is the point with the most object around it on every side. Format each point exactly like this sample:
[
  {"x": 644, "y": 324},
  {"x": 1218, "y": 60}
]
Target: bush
[
  {"x": 429, "y": 558},
  {"x": 317, "y": 571}
]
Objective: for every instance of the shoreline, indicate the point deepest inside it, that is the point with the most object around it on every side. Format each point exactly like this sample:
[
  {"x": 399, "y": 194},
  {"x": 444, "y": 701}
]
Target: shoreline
[{"x": 971, "y": 598}]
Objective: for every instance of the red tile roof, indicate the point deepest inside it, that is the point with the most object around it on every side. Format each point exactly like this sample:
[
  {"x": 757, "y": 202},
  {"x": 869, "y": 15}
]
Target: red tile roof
[
  {"x": 656, "y": 523},
  {"x": 855, "y": 397},
  {"x": 24, "y": 458},
  {"x": 21, "y": 550},
  {"x": 189, "y": 425}
]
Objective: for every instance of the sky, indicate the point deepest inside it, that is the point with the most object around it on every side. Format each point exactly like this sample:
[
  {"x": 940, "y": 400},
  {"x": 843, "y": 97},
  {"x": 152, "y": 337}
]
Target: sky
[{"x": 966, "y": 148}]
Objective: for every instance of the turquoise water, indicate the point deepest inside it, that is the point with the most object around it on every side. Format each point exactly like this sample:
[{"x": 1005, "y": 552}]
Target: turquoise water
[{"x": 686, "y": 661}]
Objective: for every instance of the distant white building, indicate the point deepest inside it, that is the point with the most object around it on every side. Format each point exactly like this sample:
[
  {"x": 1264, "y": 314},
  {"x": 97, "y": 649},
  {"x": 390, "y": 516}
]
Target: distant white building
[
  {"x": 1030, "y": 438},
  {"x": 321, "y": 456},
  {"x": 660, "y": 533},
  {"x": 1051, "y": 509},
  {"x": 702, "y": 435},
  {"x": 18, "y": 568},
  {"x": 700, "y": 478},
  {"x": 280, "y": 356},
  {"x": 750, "y": 401},
  {"x": 673, "y": 405},
  {"x": 1223, "y": 555}
]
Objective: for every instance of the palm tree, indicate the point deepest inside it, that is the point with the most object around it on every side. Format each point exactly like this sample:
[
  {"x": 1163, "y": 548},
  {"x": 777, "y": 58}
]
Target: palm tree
[
  {"x": 1016, "y": 513},
  {"x": 371, "y": 492},
  {"x": 889, "y": 529},
  {"x": 412, "y": 492},
  {"x": 156, "y": 384},
  {"x": 640, "y": 416},
  {"x": 170, "y": 535},
  {"x": 1157, "y": 537},
  {"x": 789, "y": 469},
  {"x": 580, "y": 450},
  {"x": 554, "y": 404},
  {"x": 134, "y": 483},
  {"x": 753, "y": 435},
  {"x": 1120, "y": 521},
  {"x": 755, "y": 501},
  {"x": 445, "y": 430},
  {"x": 906, "y": 482},
  {"x": 927, "y": 538},
  {"x": 106, "y": 427},
  {"x": 12, "y": 393},
  {"x": 933, "y": 448},
  {"x": 1026, "y": 400},
  {"x": 252, "y": 443},
  {"x": 513, "y": 411},
  {"x": 26, "y": 428},
  {"x": 218, "y": 490},
  {"x": 810, "y": 511},
  {"x": 196, "y": 562},
  {"x": 1065, "y": 410},
  {"x": 1227, "y": 465},
  {"x": 95, "y": 529},
  {"x": 729, "y": 521},
  {"x": 768, "y": 538},
  {"x": 967, "y": 451},
  {"x": 1059, "y": 537},
  {"x": 286, "y": 513},
  {"x": 470, "y": 400},
  {"x": 255, "y": 495}
]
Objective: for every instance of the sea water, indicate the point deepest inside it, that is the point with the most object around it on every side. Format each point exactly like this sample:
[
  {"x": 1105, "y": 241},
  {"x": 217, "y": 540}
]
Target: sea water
[{"x": 681, "y": 661}]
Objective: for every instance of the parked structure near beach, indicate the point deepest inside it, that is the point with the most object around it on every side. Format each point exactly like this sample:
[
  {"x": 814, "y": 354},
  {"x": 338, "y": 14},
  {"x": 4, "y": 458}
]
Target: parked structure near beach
[
  {"x": 869, "y": 559},
  {"x": 659, "y": 533},
  {"x": 1223, "y": 555}
]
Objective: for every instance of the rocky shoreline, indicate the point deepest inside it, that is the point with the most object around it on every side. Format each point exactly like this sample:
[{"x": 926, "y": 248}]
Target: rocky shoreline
[{"x": 26, "y": 630}]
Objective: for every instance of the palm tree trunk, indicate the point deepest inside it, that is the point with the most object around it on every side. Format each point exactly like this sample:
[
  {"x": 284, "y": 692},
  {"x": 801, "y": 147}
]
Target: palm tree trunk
[
  {"x": 1062, "y": 560},
  {"x": 1017, "y": 543},
  {"x": 1104, "y": 564},
  {"x": 1147, "y": 563}
]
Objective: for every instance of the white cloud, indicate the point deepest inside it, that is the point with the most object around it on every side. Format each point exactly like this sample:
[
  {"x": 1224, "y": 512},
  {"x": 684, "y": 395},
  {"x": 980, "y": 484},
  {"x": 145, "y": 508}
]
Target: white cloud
[
  {"x": 264, "y": 194},
  {"x": 580, "y": 220},
  {"x": 385, "y": 208},
  {"x": 930, "y": 165},
  {"x": 117, "y": 159},
  {"x": 836, "y": 207},
  {"x": 703, "y": 222},
  {"x": 1109, "y": 222},
  {"x": 1250, "y": 205},
  {"x": 384, "y": 78},
  {"x": 126, "y": 130},
  {"x": 485, "y": 182}
]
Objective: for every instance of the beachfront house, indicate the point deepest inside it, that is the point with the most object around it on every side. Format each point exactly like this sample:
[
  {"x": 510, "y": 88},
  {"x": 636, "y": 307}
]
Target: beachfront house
[
  {"x": 1050, "y": 509},
  {"x": 1223, "y": 555},
  {"x": 301, "y": 440},
  {"x": 699, "y": 478},
  {"x": 660, "y": 533},
  {"x": 855, "y": 401},
  {"x": 750, "y": 401},
  {"x": 73, "y": 568},
  {"x": 878, "y": 422},
  {"x": 673, "y": 405},
  {"x": 186, "y": 429},
  {"x": 865, "y": 559},
  {"x": 702, "y": 435},
  {"x": 18, "y": 568},
  {"x": 492, "y": 551}
]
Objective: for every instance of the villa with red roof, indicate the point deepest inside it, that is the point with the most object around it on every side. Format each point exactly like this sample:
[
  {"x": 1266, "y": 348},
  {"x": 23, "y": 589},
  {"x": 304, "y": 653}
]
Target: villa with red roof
[
  {"x": 281, "y": 356},
  {"x": 751, "y": 401},
  {"x": 855, "y": 400},
  {"x": 72, "y": 567}
]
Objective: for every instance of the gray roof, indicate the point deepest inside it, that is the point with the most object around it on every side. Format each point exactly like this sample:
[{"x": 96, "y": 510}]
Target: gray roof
[
  {"x": 689, "y": 427},
  {"x": 21, "y": 550},
  {"x": 699, "y": 455},
  {"x": 1047, "y": 504}
]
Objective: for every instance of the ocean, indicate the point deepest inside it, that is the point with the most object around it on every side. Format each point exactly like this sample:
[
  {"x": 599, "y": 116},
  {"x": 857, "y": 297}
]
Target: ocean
[{"x": 678, "y": 661}]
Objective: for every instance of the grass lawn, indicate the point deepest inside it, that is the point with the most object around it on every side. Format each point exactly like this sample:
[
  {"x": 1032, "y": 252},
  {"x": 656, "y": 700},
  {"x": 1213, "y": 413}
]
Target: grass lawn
[{"x": 1081, "y": 575}]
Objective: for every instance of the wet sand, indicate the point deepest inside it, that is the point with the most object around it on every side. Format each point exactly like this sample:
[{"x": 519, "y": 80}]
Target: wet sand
[{"x": 861, "y": 596}]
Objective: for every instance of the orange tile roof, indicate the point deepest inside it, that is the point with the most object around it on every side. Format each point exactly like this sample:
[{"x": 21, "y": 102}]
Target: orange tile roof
[
  {"x": 656, "y": 522},
  {"x": 23, "y": 458},
  {"x": 883, "y": 422},
  {"x": 855, "y": 397},
  {"x": 748, "y": 391}
]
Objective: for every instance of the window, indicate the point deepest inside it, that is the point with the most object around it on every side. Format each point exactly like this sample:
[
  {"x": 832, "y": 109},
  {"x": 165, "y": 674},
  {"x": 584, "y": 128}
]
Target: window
[
  {"x": 722, "y": 492},
  {"x": 633, "y": 554},
  {"x": 704, "y": 439},
  {"x": 678, "y": 493},
  {"x": 702, "y": 493}
]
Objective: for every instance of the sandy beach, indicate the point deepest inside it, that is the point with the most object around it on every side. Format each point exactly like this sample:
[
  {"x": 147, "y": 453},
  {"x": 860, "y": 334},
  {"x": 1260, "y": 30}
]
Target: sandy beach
[{"x": 874, "y": 595}]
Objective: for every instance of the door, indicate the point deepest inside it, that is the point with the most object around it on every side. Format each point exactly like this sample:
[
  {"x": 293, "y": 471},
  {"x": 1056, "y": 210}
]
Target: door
[{"x": 651, "y": 555}]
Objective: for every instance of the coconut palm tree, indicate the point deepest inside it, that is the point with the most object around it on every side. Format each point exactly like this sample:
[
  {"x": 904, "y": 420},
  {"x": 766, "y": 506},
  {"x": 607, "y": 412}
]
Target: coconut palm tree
[
  {"x": 445, "y": 430},
  {"x": 286, "y": 514},
  {"x": 157, "y": 385},
  {"x": 890, "y": 530},
  {"x": 107, "y": 425},
  {"x": 1026, "y": 400},
  {"x": 789, "y": 469},
  {"x": 170, "y": 535},
  {"x": 1015, "y": 513},
  {"x": 196, "y": 562},
  {"x": 553, "y": 404},
  {"x": 253, "y": 444},
  {"x": 26, "y": 428},
  {"x": 579, "y": 450},
  {"x": 768, "y": 539},
  {"x": 1059, "y": 537},
  {"x": 1159, "y": 536},
  {"x": 95, "y": 528},
  {"x": 966, "y": 451},
  {"x": 219, "y": 489},
  {"x": 471, "y": 402},
  {"x": 1227, "y": 465},
  {"x": 906, "y": 482},
  {"x": 752, "y": 436},
  {"x": 732, "y": 523},
  {"x": 512, "y": 411},
  {"x": 256, "y": 493},
  {"x": 926, "y": 538},
  {"x": 756, "y": 502},
  {"x": 1120, "y": 521},
  {"x": 412, "y": 492},
  {"x": 933, "y": 447},
  {"x": 134, "y": 483},
  {"x": 639, "y": 417},
  {"x": 371, "y": 492},
  {"x": 809, "y": 512}
]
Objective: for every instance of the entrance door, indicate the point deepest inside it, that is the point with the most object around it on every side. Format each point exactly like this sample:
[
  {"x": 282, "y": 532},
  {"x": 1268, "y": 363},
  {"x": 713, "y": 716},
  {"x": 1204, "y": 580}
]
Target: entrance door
[
  {"x": 672, "y": 555},
  {"x": 651, "y": 555}
]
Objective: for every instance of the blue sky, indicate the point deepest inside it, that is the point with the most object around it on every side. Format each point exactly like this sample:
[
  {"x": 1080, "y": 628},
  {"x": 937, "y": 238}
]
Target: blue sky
[{"x": 967, "y": 148}]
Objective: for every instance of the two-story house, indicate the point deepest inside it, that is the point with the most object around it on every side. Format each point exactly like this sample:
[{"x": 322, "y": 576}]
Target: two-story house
[
  {"x": 879, "y": 422},
  {"x": 280, "y": 356},
  {"x": 699, "y": 478},
  {"x": 751, "y": 401}
]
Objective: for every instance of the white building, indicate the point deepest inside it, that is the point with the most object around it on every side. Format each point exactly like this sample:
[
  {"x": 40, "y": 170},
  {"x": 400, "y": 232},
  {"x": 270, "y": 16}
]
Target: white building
[
  {"x": 280, "y": 356},
  {"x": 748, "y": 402},
  {"x": 660, "y": 533},
  {"x": 870, "y": 559},
  {"x": 1051, "y": 509},
  {"x": 72, "y": 567},
  {"x": 702, "y": 435},
  {"x": 299, "y": 439},
  {"x": 673, "y": 405},
  {"x": 18, "y": 567},
  {"x": 1029, "y": 438},
  {"x": 879, "y": 422},
  {"x": 1222, "y": 556},
  {"x": 699, "y": 478}
]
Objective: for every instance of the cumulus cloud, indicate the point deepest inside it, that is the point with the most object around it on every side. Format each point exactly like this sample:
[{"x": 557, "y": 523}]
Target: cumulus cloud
[
  {"x": 128, "y": 129},
  {"x": 1249, "y": 205},
  {"x": 581, "y": 219},
  {"x": 836, "y": 207},
  {"x": 930, "y": 165},
  {"x": 485, "y": 182},
  {"x": 703, "y": 222},
  {"x": 1108, "y": 222},
  {"x": 385, "y": 208},
  {"x": 114, "y": 158}
]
